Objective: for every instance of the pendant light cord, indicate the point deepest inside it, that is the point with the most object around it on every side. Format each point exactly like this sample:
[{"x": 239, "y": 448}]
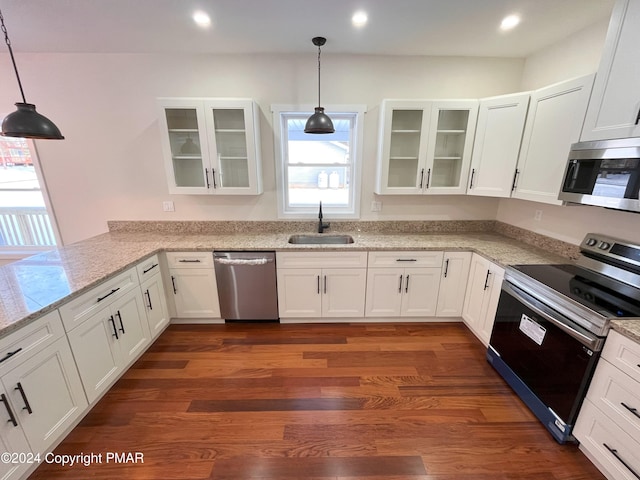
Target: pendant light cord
[
  {"x": 13, "y": 60},
  {"x": 318, "y": 76}
]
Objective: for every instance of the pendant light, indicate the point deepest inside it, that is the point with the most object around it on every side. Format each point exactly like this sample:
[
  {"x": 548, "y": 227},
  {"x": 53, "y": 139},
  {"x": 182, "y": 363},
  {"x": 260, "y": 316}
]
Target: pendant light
[
  {"x": 26, "y": 122},
  {"x": 319, "y": 122}
]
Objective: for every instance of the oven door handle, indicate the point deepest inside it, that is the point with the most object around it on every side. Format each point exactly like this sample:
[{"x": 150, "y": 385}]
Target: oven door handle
[{"x": 593, "y": 342}]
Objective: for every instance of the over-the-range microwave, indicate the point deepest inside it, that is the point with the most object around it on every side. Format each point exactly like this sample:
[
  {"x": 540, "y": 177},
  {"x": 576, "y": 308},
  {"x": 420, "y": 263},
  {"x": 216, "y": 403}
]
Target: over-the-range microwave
[{"x": 605, "y": 173}]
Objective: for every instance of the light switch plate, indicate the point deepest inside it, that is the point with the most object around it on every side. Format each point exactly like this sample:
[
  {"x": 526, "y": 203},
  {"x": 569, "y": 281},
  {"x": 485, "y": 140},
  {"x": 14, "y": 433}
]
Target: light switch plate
[
  {"x": 168, "y": 206},
  {"x": 376, "y": 206}
]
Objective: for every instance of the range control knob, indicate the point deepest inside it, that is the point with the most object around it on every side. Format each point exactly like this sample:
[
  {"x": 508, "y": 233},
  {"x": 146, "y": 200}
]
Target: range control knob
[
  {"x": 604, "y": 246},
  {"x": 591, "y": 242}
]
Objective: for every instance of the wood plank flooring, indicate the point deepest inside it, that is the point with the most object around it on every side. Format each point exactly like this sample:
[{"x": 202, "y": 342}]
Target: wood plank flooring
[{"x": 317, "y": 402}]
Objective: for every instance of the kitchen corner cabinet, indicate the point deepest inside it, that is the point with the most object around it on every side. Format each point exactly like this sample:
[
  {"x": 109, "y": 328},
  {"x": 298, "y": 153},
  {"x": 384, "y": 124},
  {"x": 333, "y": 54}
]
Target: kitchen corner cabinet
[
  {"x": 453, "y": 283},
  {"x": 321, "y": 284},
  {"x": 614, "y": 108},
  {"x": 554, "y": 122},
  {"x": 425, "y": 146},
  {"x": 403, "y": 284},
  {"x": 40, "y": 391},
  {"x": 153, "y": 295},
  {"x": 211, "y": 146},
  {"x": 193, "y": 283},
  {"x": 497, "y": 144},
  {"x": 481, "y": 300}
]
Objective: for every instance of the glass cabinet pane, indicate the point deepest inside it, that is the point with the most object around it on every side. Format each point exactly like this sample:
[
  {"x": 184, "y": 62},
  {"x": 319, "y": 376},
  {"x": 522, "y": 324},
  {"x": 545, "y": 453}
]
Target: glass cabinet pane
[
  {"x": 231, "y": 146},
  {"x": 449, "y": 148},
  {"x": 404, "y": 148},
  {"x": 184, "y": 140}
]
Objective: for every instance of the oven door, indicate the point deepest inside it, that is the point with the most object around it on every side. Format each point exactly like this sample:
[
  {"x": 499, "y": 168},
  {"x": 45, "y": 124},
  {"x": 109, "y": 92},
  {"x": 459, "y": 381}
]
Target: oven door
[{"x": 546, "y": 358}]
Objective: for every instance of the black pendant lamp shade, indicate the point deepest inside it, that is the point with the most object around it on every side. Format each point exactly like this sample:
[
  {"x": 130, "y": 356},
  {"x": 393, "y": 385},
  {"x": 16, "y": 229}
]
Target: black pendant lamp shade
[
  {"x": 25, "y": 122},
  {"x": 319, "y": 122}
]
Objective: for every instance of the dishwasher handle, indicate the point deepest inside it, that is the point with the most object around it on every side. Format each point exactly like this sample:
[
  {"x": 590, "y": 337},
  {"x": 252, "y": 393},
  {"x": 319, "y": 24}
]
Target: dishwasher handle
[{"x": 242, "y": 261}]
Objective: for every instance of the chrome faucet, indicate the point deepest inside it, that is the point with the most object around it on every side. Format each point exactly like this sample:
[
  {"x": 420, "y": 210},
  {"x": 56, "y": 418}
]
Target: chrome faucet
[{"x": 321, "y": 225}]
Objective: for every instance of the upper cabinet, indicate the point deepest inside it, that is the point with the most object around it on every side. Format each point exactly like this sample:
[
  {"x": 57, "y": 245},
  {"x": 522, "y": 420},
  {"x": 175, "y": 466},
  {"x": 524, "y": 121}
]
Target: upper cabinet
[
  {"x": 497, "y": 143},
  {"x": 614, "y": 108},
  {"x": 211, "y": 146},
  {"x": 425, "y": 146},
  {"x": 553, "y": 123}
]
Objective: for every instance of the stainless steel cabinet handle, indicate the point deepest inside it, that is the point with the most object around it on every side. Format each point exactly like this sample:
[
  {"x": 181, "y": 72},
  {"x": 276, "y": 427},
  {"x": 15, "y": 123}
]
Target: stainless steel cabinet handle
[
  {"x": 406, "y": 288},
  {"x": 26, "y": 407},
  {"x": 241, "y": 261},
  {"x": 12, "y": 417},
  {"x": 115, "y": 330},
  {"x": 446, "y": 268},
  {"x": 614, "y": 452},
  {"x": 631, "y": 409},
  {"x": 400, "y": 286},
  {"x": 10, "y": 354}
]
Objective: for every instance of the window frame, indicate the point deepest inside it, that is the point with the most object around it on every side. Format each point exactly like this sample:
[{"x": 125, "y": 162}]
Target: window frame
[{"x": 356, "y": 154}]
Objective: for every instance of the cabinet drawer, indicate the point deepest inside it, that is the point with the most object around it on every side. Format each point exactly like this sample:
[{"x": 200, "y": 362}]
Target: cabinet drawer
[
  {"x": 321, "y": 259},
  {"x": 407, "y": 259},
  {"x": 618, "y": 396},
  {"x": 609, "y": 447},
  {"x": 623, "y": 353},
  {"x": 148, "y": 268},
  {"x": 79, "y": 309},
  {"x": 17, "y": 346},
  {"x": 189, "y": 259}
]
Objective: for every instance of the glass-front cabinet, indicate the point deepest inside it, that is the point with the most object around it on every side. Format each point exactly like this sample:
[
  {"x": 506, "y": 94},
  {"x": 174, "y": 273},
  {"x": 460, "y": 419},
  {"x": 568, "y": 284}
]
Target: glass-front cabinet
[
  {"x": 211, "y": 146},
  {"x": 425, "y": 146}
]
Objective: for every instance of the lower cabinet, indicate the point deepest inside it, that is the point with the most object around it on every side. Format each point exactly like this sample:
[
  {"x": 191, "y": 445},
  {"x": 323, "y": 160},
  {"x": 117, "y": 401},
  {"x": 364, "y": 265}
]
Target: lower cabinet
[
  {"x": 321, "y": 284},
  {"x": 403, "y": 284},
  {"x": 109, "y": 341},
  {"x": 153, "y": 295},
  {"x": 193, "y": 283},
  {"x": 481, "y": 299},
  {"x": 453, "y": 283}
]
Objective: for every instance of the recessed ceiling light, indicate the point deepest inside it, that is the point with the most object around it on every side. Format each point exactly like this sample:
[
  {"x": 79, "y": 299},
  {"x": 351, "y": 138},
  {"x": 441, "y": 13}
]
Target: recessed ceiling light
[
  {"x": 202, "y": 19},
  {"x": 359, "y": 19},
  {"x": 509, "y": 22}
]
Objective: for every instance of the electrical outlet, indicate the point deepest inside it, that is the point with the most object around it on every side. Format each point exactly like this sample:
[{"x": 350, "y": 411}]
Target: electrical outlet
[
  {"x": 376, "y": 206},
  {"x": 168, "y": 206},
  {"x": 538, "y": 215}
]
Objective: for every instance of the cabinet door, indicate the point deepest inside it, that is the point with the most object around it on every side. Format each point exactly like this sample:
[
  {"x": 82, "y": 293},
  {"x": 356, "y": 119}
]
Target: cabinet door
[
  {"x": 497, "y": 144},
  {"x": 299, "y": 292},
  {"x": 553, "y": 123},
  {"x": 384, "y": 292},
  {"x": 234, "y": 141},
  {"x": 47, "y": 393},
  {"x": 133, "y": 329},
  {"x": 12, "y": 439},
  {"x": 96, "y": 349},
  {"x": 477, "y": 285},
  {"x": 453, "y": 284},
  {"x": 614, "y": 108},
  {"x": 196, "y": 293},
  {"x": 404, "y": 127},
  {"x": 449, "y": 146},
  {"x": 185, "y": 145},
  {"x": 490, "y": 305},
  {"x": 155, "y": 304},
  {"x": 343, "y": 292},
  {"x": 420, "y": 292}
]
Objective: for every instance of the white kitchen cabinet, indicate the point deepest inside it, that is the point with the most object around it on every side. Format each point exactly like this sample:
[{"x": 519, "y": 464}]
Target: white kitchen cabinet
[
  {"x": 193, "y": 283},
  {"x": 211, "y": 145},
  {"x": 110, "y": 340},
  {"x": 41, "y": 392},
  {"x": 153, "y": 295},
  {"x": 481, "y": 300},
  {"x": 554, "y": 122},
  {"x": 614, "y": 108},
  {"x": 497, "y": 144},
  {"x": 425, "y": 146},
  {"x": 403, "y": 284},
  {"x": 453, "y": 284},
  {"x": 608, "y": 425},
  {"x": 321, "y": 284}
]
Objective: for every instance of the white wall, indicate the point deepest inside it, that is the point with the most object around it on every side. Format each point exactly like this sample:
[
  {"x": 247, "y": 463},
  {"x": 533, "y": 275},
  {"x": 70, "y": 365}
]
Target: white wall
[{"x": 110, "y": 165}]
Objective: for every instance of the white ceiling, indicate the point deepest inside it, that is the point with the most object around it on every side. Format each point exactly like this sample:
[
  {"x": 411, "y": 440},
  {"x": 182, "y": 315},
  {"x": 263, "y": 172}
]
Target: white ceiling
[{"x": 395, "y": 27}]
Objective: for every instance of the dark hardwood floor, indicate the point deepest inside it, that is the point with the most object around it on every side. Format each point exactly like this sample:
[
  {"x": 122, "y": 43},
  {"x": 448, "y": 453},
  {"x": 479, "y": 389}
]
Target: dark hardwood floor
[{"x": 317, "y": 402}]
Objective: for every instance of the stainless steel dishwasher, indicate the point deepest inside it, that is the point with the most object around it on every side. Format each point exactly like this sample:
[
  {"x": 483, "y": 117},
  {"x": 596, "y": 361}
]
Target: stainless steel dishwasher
[{"x": 247, "y": 285}]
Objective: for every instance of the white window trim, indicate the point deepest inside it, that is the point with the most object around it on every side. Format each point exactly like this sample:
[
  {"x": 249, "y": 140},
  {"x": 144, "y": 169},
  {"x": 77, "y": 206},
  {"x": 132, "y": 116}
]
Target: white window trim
[{"x": 312, "y": 212}]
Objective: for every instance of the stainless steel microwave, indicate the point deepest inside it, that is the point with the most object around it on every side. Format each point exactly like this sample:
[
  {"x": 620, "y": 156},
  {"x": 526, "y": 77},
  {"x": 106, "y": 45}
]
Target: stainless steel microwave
[{"x": 604, "y": 173}]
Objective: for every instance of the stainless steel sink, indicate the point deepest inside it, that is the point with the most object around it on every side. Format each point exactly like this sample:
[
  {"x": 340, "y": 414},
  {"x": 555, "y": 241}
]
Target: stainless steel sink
[{"x": 320, "y": 239}]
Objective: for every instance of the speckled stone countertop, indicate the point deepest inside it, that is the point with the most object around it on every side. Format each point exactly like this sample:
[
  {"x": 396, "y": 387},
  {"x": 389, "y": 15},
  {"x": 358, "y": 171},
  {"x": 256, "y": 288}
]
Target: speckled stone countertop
[{"x": 628, "y": 328}]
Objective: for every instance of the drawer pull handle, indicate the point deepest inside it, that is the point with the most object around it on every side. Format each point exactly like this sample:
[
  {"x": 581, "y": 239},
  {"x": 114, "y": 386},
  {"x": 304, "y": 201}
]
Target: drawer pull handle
[
  {"x": 9, "y": 355},
  {"x": 632, "y": 410},
  {"x": 150, "y": 268},
  {"x": 614, "y": 452},
  {"x": 406, "y": 259},
  {"x": 189, "y": 260},
  {"x": 26, "y": 407},
  {"x": 108, "y": 294},
  {"x": 12, "y": 417},
  {"x": 113, "y": 324}
]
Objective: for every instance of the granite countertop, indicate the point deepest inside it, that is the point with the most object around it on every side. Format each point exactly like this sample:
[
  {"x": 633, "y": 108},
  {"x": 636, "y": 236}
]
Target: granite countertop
[{"x": 628, "y": 327}]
